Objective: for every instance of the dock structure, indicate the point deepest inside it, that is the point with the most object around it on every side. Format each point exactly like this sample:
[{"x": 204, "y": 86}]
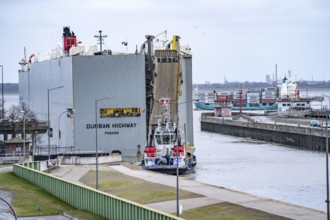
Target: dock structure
[
  {"x": 31, "y": 127},
  {"x": 292, "y": 135}
]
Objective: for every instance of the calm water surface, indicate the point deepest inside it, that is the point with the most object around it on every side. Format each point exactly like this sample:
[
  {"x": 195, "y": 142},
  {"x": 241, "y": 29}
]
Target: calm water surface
[
  {"x": 260, "y": 168},
  {"x": 10, "y": 99}
]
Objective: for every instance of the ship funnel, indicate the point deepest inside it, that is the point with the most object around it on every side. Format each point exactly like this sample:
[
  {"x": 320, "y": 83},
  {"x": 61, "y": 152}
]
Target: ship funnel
[{"x": 69, "y": 39}]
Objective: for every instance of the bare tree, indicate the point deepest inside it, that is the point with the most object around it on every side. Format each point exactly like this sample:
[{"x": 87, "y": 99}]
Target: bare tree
[{"x": 16, "y": 114}]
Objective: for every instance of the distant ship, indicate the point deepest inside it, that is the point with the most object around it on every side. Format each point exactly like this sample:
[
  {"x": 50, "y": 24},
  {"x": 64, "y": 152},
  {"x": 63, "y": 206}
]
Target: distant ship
[
  {"x": 204, "y": 101},
  {"x": 283, "y": 98},
  {"x": 264, "y": 99}
]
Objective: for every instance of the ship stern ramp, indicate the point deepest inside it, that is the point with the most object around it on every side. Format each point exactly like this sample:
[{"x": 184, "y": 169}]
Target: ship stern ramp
[{"x": 166, "y": 82}]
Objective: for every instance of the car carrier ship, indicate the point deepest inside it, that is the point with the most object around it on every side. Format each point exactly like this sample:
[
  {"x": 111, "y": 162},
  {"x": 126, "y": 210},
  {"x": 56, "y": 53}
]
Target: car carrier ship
[{"x": 112, "y": 95}]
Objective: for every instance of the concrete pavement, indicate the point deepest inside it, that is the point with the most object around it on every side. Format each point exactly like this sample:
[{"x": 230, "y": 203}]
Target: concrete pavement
[
  {"x": 5, "y": 210},
  {"x": 71, "y": 172},
  {"x": 51, "y": 217},
  {"x": 170, "y": 206}
]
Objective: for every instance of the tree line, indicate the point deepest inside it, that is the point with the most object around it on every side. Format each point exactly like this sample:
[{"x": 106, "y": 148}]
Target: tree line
[
  {"x": 248, "y": 85},
  {"x": 9, "y": 87}
]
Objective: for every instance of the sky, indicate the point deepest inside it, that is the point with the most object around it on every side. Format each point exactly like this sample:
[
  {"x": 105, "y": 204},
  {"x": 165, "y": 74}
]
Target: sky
[{"x": 240, "y": 40}]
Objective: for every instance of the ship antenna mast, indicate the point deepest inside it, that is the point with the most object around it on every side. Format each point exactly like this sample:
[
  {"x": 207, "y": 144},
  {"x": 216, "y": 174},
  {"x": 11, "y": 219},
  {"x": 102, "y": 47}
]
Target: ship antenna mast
[{"x": 100, "y": 39}]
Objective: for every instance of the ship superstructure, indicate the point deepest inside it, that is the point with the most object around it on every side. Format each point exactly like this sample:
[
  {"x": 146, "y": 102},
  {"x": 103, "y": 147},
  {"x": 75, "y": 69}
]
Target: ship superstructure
[{"x": 287, "y": 89}]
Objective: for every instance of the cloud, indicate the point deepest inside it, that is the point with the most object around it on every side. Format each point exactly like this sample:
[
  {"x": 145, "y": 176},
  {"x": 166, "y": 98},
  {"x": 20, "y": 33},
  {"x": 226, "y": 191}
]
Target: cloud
[{"x": 226, "y": 33}]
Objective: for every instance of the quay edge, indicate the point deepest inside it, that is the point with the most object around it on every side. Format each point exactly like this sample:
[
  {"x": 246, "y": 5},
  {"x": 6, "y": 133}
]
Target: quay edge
[{"x": 305, "y": 138}]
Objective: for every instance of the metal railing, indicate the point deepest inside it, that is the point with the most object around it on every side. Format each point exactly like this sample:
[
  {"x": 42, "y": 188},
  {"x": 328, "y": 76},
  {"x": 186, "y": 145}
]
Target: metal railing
[
  {"x": 88, "y": 199},
  {"x": 52, "y": 149}
]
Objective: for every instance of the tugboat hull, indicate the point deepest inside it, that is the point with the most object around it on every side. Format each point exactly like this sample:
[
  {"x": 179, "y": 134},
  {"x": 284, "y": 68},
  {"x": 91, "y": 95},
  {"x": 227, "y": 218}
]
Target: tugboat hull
[{"x": 172, "y": 169}]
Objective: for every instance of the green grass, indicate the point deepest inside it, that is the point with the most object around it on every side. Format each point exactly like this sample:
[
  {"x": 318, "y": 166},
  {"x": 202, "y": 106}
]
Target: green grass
[
  {"x": 134, "y": 189},
  {"x": 228, "y": 211},
  {"x": 28, "y": 199}
]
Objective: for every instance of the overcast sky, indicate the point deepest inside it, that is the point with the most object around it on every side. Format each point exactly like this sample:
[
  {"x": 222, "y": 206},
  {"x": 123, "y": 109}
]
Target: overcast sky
[{"x": 237, "y": 39}]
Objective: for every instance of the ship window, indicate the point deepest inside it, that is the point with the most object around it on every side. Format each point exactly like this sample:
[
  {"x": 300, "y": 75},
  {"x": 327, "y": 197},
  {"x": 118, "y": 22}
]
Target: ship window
[
  {"x": 173, "y": 138},
  {"x": 120, "y": 112},
  {"x": 158, "y": 140},
  {"x": 166, "y": 139}
]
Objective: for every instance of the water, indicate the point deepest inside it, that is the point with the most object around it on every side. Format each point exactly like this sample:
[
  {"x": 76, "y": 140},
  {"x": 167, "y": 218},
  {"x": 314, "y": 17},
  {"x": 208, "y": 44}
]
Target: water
[
  {"x": 10, "y": 99},
  {"x": 260, "y": 168}
]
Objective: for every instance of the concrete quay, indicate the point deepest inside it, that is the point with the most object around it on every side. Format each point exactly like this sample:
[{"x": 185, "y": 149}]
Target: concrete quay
[
  {"x": 212, "y": 194},
  {"x": 293, "y": 135}
]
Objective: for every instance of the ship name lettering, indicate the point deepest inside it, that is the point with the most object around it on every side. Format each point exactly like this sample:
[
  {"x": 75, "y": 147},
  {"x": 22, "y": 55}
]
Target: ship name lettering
[
  {"x": 116, "y": 125},
  {"x": 124, "y": 125},
  {"x": 111, "y": 132}
]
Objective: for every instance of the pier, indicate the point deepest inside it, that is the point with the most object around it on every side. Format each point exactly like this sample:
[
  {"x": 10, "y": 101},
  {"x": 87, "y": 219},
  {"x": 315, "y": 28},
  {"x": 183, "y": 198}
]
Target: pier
[{"x": 293, "y": 135}]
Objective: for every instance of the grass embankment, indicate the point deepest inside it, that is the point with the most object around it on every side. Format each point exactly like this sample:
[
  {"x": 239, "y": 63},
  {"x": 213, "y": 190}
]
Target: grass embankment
[
  {"x": 145, "y": 192},
  {"x": 228, "y": 211},
  {"x": 134, "y": 189},
  {"x": 31, "y": 200}
]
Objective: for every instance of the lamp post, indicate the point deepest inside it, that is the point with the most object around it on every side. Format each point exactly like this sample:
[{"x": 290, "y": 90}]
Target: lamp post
[
  {"x": 177, "y": 158},
  {"x": 327, "y": 158},
  {"x": 68, "y": 110},
  {"x": 96, "y": 147},
  {"x": 2, "y": 98},
  {"x": 177, "y": 166},
  {"x": 48, "y": 120},
  {"x": 23, "y": 112},
  {"x": 327, "y": 164}
]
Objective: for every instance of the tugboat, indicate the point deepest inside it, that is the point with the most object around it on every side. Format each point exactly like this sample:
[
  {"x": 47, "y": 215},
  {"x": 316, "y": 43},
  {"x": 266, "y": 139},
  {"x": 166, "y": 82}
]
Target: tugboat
[{"x": 166, "y": 154}]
